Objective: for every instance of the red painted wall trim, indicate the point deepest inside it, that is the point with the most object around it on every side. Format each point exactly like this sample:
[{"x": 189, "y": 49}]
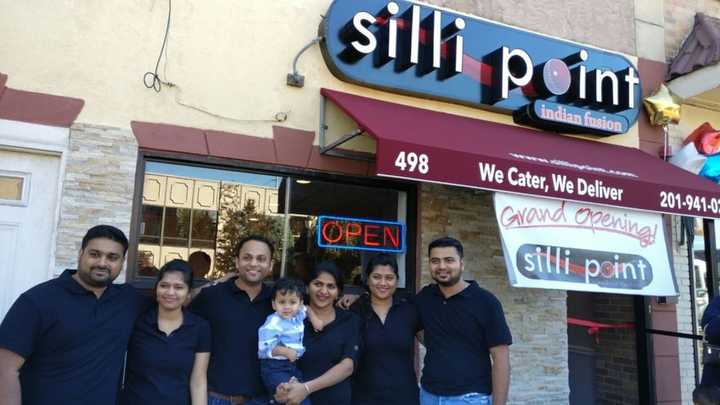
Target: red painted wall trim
[
  {"x": 37, "y": 108},
  {"x": 288, "y": 147},
  {"x": 3, "y": 80}
]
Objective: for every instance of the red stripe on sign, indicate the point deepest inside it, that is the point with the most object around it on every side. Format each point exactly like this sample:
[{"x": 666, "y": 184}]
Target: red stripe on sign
[{"x": 472, "y": 68}]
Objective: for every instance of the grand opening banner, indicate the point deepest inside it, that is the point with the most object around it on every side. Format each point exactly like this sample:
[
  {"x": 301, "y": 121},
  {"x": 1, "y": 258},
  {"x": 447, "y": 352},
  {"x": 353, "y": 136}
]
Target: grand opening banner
[{"x": 557, "y": 244}]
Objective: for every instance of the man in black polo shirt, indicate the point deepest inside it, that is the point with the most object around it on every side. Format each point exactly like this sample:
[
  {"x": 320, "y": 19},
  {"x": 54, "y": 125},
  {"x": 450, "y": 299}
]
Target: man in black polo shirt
[
  {"x": 464, "y": 328},
  {"x": 63, "y": 341},
  {"x": 236, "y": 309}
]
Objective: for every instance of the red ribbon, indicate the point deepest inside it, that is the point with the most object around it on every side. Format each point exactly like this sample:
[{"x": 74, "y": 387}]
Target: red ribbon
[{"x": 593, "y": 328}]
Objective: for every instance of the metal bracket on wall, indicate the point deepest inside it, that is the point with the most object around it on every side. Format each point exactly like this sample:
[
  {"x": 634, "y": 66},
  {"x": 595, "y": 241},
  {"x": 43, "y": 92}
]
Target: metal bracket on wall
[{"x": 330, "y": 149}]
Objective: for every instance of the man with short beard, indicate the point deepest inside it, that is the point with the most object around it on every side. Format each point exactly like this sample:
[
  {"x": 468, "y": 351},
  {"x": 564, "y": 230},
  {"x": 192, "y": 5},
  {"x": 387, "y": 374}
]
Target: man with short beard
[
  {"x": 64, "y": 341},
  {"x": 236, "y": 309},
  {"x": 464, "y": 327}
]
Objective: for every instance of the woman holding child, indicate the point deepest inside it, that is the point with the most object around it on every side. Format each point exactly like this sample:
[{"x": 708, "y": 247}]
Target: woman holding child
[{"x": 331, "y": 347}]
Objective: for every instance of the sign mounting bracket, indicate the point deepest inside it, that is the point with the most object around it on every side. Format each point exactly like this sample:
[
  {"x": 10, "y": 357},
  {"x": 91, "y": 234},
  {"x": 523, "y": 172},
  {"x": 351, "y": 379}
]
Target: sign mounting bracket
[{"x": 332, "y": 148}]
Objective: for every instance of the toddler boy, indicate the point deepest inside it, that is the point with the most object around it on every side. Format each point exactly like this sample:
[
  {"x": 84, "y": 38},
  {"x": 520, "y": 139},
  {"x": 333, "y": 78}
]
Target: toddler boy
[{"x": 280, "y": 338}]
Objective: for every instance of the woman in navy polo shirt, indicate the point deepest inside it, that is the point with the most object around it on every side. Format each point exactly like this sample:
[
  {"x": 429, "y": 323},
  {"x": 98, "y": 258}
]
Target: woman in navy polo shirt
[
  {"x": 386, "y": 369},
  {"x": 331, "y": 350},
  {"x": 169, "y": 349}
]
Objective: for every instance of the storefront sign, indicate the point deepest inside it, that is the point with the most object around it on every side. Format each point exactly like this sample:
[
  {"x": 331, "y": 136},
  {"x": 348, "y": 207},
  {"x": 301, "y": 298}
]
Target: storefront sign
[
  {"x": 415, "y": 49},
  {"x": 360, "y": 234},
  {"x": 558, "y": 244}
]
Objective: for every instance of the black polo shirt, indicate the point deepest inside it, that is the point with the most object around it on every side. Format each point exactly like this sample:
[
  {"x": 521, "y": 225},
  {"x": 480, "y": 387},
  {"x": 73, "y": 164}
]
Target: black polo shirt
[
  {"x": 338, "y": 340},
  {"x": 459, "y": 331},
  {"x": 73, "y": 343},
  {"x": 386, "y": 368},
  {"x": 234, "y": 321},
  {"x": 159, "y": 365}
]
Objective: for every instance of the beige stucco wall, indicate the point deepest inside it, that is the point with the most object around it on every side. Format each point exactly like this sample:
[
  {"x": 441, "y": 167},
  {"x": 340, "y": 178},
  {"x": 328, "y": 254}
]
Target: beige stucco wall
[{"x": 229, "y": 60}]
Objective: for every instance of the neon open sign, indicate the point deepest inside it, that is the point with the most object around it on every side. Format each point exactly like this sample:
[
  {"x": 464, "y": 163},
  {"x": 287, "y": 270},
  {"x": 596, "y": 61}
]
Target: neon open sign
[
  {"x": 360, "y": 234},
  {"x": 416, "y": 49}
]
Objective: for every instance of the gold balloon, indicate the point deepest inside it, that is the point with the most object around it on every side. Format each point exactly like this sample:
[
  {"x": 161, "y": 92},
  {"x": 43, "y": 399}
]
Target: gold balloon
[{"x": 663, "y": 107}]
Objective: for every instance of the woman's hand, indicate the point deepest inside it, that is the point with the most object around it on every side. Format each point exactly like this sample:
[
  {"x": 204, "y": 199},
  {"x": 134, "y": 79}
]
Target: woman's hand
[
  {"x": 281, "y": 393},
  {"x": 295, "y": 392}
]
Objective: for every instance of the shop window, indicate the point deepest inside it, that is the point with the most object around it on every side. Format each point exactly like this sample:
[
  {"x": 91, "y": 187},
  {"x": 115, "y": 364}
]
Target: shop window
[
  {"x": 204, "y": 229},
  {"x": 312, "y": 199},
  {"x": 186, "y": 209},
  {"x": 151, "y": 224},
  {"x": 176, "y": 227},
  {"x": 672, "y": 324}
]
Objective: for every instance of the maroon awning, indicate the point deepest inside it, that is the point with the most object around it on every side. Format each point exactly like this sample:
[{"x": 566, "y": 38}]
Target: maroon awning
[
  {"x": 424, "y": 145},
  {"x": 37, "y": 108}
]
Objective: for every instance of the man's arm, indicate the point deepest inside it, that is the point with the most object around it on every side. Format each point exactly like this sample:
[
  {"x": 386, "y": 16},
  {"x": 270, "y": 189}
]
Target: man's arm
[
  {"x": 10, "y": 363},
  {"x": 346, "y": 301},
  {"x": 500, "y": 373}
]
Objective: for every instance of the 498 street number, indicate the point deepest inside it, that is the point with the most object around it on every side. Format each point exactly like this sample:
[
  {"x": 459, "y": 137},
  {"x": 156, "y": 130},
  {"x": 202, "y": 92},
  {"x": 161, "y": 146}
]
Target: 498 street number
[
  {"x": 689, "y": 202},
  {"x": 412, "y": 162}
]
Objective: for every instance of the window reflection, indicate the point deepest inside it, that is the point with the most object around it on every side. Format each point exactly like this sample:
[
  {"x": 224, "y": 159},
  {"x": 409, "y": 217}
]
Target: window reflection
[
  {"x": 204, "y": 229},
  {"x": 201, "y": 213},
  {"x": 247, "y": 209},
  {"x": 176, "y": 227},
  {"x": 152, "y": 224}
]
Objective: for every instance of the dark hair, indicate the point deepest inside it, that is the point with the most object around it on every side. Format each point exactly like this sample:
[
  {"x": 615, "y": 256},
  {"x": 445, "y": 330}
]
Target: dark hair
[
  {"x": 381, "y": 259},
  {"x": 200, "y": 253},
  {"x": 289, "y": 285},
  {"x": 330, "y": 268},
  {"x": 705, "y": 394},
  {"x": 447, "y": 242},
  {"x": 176, "y": 266},
  {"x": 107, "y": 232},
  {"x": 258, "y": 238}
]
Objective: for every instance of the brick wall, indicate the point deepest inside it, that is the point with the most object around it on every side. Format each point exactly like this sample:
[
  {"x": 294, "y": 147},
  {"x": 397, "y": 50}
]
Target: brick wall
[
  {"x": 616, "y": 366},
  {"x": 606, "y": 24},
  {"x": 537, "y": 318},
  {"x": 98, "y": 187}
]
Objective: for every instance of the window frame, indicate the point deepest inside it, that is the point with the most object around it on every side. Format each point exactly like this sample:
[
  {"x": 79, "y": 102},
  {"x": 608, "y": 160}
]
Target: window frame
[{"x": 410, "y": 188}]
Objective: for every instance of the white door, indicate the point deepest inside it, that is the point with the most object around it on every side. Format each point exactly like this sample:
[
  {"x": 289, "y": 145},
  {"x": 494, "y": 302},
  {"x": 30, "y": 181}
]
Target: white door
[{"x": 28, "y": 200}]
